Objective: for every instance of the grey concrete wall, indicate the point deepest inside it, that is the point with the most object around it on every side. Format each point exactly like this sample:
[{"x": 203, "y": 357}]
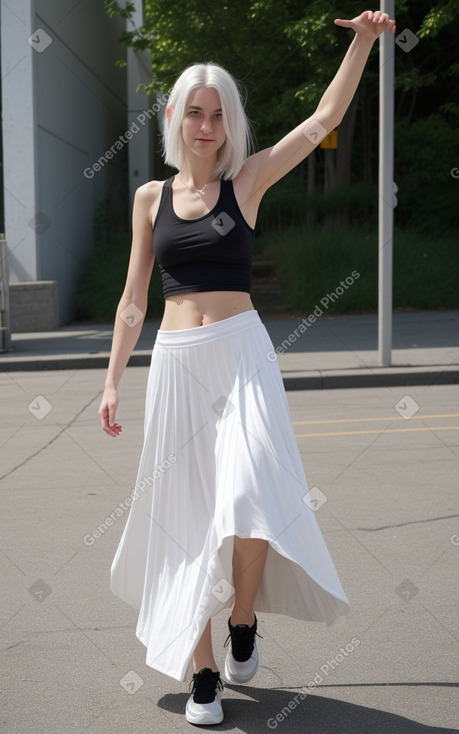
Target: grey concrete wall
[
  {"x": 18, "y": 128},
  {"x": 66, "y": 105},
  {"x": 80, "y": 98}
]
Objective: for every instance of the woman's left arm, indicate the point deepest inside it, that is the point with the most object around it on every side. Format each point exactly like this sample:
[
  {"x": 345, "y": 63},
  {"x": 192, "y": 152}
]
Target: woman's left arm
[{"x": 271, "y": 164}]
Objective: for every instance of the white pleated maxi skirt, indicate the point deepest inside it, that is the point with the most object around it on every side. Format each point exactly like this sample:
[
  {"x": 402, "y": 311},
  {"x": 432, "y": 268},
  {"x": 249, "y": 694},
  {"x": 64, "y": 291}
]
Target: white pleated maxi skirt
[{"x": 219, "y": 460}]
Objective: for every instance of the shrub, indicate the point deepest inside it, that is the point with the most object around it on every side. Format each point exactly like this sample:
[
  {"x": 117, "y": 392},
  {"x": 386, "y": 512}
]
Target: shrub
[{"x": 102, "y": 282}]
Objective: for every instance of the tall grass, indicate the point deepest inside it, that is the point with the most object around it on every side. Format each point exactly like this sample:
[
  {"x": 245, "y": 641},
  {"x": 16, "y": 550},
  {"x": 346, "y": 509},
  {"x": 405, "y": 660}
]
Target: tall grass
[{"x": 312, "y": 263}]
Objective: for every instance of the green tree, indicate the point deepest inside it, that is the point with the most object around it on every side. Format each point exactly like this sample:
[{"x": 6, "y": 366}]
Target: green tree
[{"x": 285, "y": 53}]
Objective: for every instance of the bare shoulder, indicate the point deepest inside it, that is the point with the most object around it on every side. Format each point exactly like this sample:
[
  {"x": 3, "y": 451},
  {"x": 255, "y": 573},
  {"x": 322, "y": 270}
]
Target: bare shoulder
[
  {"x": 148, "y": 192},
  {"x": 147, "y": 198},
  {"x": 150, "y": 187}
]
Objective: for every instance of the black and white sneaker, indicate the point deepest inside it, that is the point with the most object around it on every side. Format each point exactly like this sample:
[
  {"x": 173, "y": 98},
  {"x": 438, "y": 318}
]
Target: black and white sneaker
[
  {"x": 204, "y": 705},
  {"x": 242, "y": 661}
]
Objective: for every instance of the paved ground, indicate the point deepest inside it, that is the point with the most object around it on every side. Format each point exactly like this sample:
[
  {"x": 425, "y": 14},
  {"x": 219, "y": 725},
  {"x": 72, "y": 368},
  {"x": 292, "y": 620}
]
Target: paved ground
[
  {"x": 329, "y": 352},
  {"x": 385, "y": 460}
]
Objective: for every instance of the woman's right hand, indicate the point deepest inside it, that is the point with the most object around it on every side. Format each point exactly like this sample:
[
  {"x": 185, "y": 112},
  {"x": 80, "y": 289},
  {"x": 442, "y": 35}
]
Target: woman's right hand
[{"x": 107, "y": 412}]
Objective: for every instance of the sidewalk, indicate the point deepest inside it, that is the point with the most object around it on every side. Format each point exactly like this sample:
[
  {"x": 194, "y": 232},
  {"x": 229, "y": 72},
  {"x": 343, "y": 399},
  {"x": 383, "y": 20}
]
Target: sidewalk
[{"x": 333, "y": 352}]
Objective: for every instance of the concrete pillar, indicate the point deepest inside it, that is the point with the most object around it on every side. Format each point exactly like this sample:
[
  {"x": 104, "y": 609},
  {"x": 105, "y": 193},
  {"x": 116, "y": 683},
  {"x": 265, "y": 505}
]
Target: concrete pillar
[{"x": 22, "y": 221}]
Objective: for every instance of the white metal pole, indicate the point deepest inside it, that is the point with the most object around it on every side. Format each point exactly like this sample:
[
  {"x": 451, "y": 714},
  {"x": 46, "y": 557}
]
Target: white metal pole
[{"x": 386, "y": 179}]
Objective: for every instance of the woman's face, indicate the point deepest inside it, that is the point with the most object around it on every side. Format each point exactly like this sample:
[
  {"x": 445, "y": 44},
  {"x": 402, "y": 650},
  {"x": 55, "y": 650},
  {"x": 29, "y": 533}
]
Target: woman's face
[{"x": 202, "y": 125}]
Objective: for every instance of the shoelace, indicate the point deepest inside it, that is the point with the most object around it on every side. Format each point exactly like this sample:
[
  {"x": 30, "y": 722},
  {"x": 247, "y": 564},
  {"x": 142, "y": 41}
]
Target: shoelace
[
  {"x": 204, "y": 685},
  {"x": 241, "y": 641}
]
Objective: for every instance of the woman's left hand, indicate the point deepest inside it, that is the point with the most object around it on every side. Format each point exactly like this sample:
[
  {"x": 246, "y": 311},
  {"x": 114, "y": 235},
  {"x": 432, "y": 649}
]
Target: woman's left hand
[{"x": 369, "y": 24}]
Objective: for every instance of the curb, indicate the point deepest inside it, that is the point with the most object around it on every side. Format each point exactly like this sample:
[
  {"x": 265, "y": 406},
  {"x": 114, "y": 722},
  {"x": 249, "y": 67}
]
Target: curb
[
  {"x": 334, "y": 380},
  {"x": 313, "y": 380}
]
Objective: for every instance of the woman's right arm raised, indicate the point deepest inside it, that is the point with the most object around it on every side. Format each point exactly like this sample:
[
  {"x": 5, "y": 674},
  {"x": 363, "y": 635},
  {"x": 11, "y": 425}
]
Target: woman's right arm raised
[{"x": 128, "y": 325}]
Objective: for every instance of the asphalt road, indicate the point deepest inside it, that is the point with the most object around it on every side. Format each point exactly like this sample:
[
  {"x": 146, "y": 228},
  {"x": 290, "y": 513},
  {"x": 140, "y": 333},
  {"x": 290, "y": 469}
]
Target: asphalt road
[{"x": 383, "y": 468}]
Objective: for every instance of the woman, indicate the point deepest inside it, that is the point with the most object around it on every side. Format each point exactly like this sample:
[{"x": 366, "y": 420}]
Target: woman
[{"x": 218, "y": 517}]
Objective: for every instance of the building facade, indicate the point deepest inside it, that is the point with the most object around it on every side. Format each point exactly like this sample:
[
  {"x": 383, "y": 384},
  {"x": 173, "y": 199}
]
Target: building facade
[{"x": 72, "y": 138}]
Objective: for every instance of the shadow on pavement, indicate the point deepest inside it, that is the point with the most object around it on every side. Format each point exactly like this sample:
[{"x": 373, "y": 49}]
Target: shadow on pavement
[{"x": 315, "y": 714}]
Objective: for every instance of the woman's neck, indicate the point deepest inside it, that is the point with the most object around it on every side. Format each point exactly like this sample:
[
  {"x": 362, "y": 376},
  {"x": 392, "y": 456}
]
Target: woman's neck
[{"x": 198, "y": 173}]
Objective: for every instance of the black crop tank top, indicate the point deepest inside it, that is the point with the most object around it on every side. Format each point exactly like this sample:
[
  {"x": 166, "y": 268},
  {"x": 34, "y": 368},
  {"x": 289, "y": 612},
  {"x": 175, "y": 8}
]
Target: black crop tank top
[{"x": 212, "y": 253}]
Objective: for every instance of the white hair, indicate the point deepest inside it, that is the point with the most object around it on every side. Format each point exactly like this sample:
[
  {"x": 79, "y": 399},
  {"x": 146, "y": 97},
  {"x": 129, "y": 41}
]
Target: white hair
[{"x": 237, "y": 146}]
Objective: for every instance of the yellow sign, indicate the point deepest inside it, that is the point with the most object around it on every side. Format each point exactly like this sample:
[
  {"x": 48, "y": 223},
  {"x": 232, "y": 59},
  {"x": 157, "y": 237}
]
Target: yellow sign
[{"x": 331, "y": 140}]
